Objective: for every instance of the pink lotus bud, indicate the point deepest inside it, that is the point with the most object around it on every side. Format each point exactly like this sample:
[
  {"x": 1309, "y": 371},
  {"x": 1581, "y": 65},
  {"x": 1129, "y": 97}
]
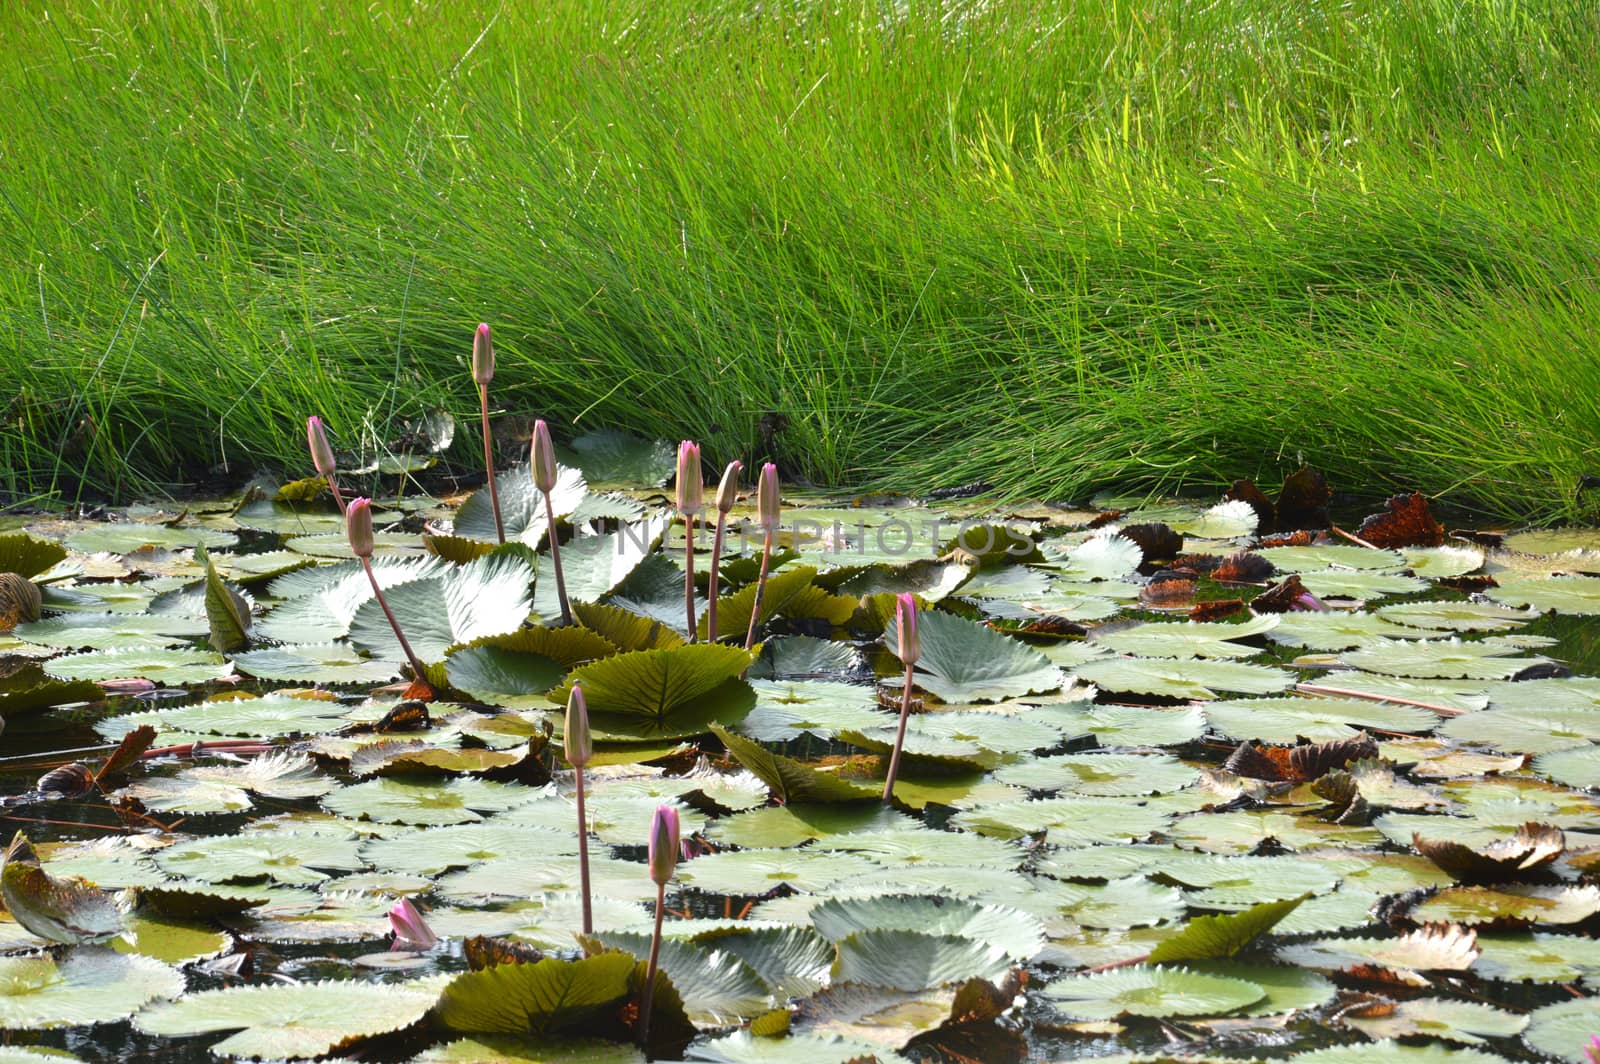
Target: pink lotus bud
[
  {"x": 544, "y": 458},
  {"x": 1306, "y": 601},
  {"x": 321, "y": 453},
  {"x": 482, "y": 355},
  {"x": 358, "y": 527},
  {"x": 575, "y": 734},
  {"x": 768, "y": 507},
  {"x": 411, "y": 931},
  {"x": 691, "y": 486},
  {"x": 728, "y": 490},
  {"x": 1593, "y": 1049},
  {"x": 664, "y": 844},
  {"x": 909, "y": 645}
]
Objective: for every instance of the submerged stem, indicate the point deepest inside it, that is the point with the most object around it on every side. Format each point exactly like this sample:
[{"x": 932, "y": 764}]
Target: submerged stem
[
  {"x": 899, "y": 740},
  {"x": 416, "y": 666},
  {"x": 488, "y": 463},
  {"x": 555, "y": 559}
]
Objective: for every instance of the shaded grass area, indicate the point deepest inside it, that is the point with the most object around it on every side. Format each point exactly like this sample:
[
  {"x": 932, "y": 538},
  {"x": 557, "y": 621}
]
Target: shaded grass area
[{"x": 1053, "y": 246}]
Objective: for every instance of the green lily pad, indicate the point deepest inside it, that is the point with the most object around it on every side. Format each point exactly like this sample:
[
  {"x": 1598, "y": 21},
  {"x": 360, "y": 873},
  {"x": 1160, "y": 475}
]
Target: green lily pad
[
  {"x": 487, "y": 596},
  {"x": 1101, "y": 774},
  {"x": 28, "y": 555},
  {"x": 719, "y": 988},
  {"x": 522, "y": 507},
  {"x": 790, "y": 780},
  {"x": 608, "y": 456},
  {"x": 1284, "y": 720},
  {"x": 338, "y": 663},
  {"x": 791, "y": 825},
  {"x": 1191, "y": 679},
  {"x": 1207, "y": 938},
  {"x": 1563, "y": 1030},
  {"x": 427, "y": 803},
  {"x": 111, "y": 631},
  {"x": 657, "y": 683},
  {"x": 265, "y": 718},
  {"x": 755, "y": 872},
  {"x": 966, "y": 662},
  {"x": 915, "y": 960},
  {"x": 133, "y": 536},
  {"x": 227, "y": 788},
  {"x": 1312, "y": 559},
  {"x": 1576, "y": 766},
  {"x": 320, "y": 603},
  {"x": 150, "y": 663},
  {"x": 1517, "y": 902},
  {"x": 1456, "y": 616},
  {"x": 1575, "y": 595},
  {"x": 434, "y": 850},
  {"x": 1187, "y": 639},
  {"x": 1527, "y": 731},
  {"x": 85, "y": 986},
  {"x": 294, "y": 860},
  {"x": 1439, "y": 658},
  {"x": 1151, "y": 991},
  {"x": 1067, "y": 820},
  {"x": 1342, "y": 629},
  {"x": 539, "y": 1000},
  {"x": 1390, "y": 1050},
  {"x": 1455, "y": 1021},
  {"x": 291, "y": 1021}
]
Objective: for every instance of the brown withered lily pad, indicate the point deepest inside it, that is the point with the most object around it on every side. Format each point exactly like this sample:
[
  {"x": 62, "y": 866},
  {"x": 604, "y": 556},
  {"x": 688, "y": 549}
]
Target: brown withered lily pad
[
  {"x": 1286, "y": 595},
  {"x": 1298, "y": 764},
  {"x": 1245, "y": 491},
  {"x": 1511, "y": 905},
  {"x": 1170, "y": 588},
  {"x": 1244, "y": 567},
  {"x": 1158, "y": 541},
  {"x": 1303, "y": 502},
  {"x": 1408, "y": 522},
  {"x": 1532, "y": 847},
  {"x": 1215, "y": 610}
]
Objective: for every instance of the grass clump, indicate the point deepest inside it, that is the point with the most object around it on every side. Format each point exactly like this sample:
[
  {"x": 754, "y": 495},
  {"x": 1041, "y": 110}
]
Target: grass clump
[{"x": 1050, "y": 246}]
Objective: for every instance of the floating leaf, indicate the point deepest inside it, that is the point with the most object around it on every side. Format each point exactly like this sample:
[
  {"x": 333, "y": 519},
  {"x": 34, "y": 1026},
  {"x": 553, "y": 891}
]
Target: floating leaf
[
  {"x": 321, "y": 602},
  {"x": 1193, "y": 679},
  {"x": 293, "y": 1021},
  {"x": 223, "y": 788},
  {"x": 1563, "y": 1030},
  {"x": 296, "y": 860},
  {"x": 1576, "y": 767},
  {"x": 966, "y": 662},
  {"x": 1456, "y": 1021},
  {"x": 1101, "y": 774},
  {"x": 1441, "y": 658},
  {"x": 83, "y": 986},
  {"x": 162, "y": 666},
  {"x": 1014, "y": 933},
  {"x": 522, "y": 507},
  {"x": 1510, "y": 903},
  {"x": 1575, "y": 595},
  {"x": 431, "y": 802},
  {"x": 656, "y": 683},
  {"x": 1284, "y": 720},
  {"x": 915, "y": 960},
  {"x": 1187, "y": 639},
  {"x": 489, "y": 596},
  {"x": 719, "y": 989},
  {"x": 538, "y": 1000},
  {"x": 1208, "y": 938},
  {"x": 790, "y": 780},
  {"x": 1150, "y": 991},
  {"x": 227, "y": 611},
  {"x": 111, "y": 631},
  {"x": 338, "y": 663},
  {"x": 28, "y": 555},
  {"x": 68, "y": 911},
  {"x": 134, "y": 536}
]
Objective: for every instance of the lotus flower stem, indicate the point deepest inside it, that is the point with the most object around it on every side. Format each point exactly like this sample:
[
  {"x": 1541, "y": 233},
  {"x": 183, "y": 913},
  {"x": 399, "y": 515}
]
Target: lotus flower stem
[
  {"x": 664, "y": 845},
  {"x": 358, "y": 528},
  {"x": 482, "y": 374},
  {"x": 767, "y": 512},
  {"x": 908, "y": 648},
  {"x": 727, "y": 493},
  {"x": 322, "y": 457},
  {"x": 691, "y": 498},
  {"x": 579, "y": 748},
  {"x": 544, "y": 478}
]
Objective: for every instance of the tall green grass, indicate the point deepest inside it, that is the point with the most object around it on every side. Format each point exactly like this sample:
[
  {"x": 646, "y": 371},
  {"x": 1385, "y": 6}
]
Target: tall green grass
[{"x": 1053, "y": 246}]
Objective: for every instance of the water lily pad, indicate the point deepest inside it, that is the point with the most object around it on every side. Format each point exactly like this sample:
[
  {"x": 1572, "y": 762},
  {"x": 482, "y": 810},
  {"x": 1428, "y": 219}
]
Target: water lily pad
[
  {"x": 1527, "y": 731},
  {"x": 786, "y": 710},
  {"x": 1188, "y": 679},
  {"x": 657, "y": 683},
  {"x": 295, "y": 860},
  {"x": 1312, "y": 559},
  {"x": 1441, "y": 658},
  {"x": 265, "y": 718},
  {"x": 1563, "y": 1030},
  {"x": 87, "y": 985},
  {"x": 1578, "y": 596},
  {"x": 1187, "y": 639},
  {"x": 111, "y": 631},
  {"x": 718, "y": 988},
  {"x": 1107, "y": 556},
  {"x": 1207, "y": 938},
  {"x": 430, "y": 803},
  {"x": 338, "y": 663},
  {"x": 150, "y": 663},
  {"x": 133, "y": 536},
  {"x": 539, "y": 1000},
  {"x": 966, "y": 662},
  {"x": 1456, "y": 1021},
  {"x": 291, "y": 1021},
  {"x": 915, "y": 960},
  {"x": 1576, "y": 766},
  {"x": 522, "y": 507},
  {"x": 28, "y": 555},
  {"x": 790, "y": 780},
  {"x": 608, "y": 456},
  {"x": 1067, "y": 820},
  {"x": 487, "y": 596},
  {"x": 791, "y": 825},
  {"x": 1516, "y": 902},
  {"x": 320, "y": 603},
  {"x": 1285, "y": 720},
  {"x": 434, "y": 850},
  {"x": 1101, "y": 774},
  {"x": 227, "y": 788},
  {"x": 1150, "y": 991},
  {"x": 1390, "y": 1050},
  {"x": 754, "y": 872},
  {"x": 1456, "y": 616},
  {"x": 1342, "y": 629}
]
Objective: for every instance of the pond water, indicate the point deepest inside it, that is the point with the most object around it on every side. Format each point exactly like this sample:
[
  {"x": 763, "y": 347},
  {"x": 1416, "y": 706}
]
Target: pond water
[{"x": 1360, "y": 823}]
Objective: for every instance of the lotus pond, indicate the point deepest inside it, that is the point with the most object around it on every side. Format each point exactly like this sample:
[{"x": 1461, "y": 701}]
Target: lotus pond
[{"x": 1181, "y": 780}]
